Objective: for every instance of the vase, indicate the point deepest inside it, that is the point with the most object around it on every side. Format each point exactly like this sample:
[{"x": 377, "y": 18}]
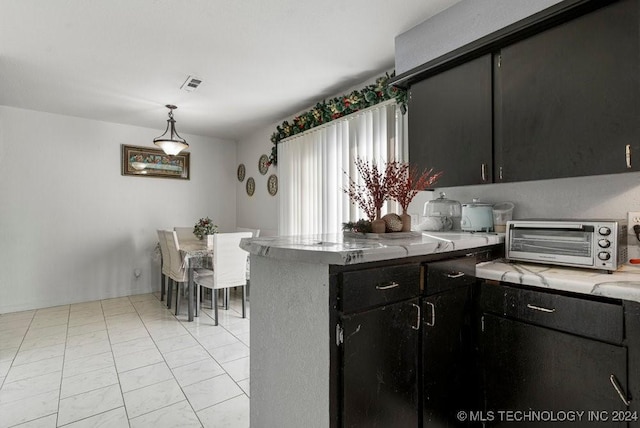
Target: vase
[
  {"x": 406, "y": 221},
  {"x": 209, "y": 241},
  {"x": 378, "y": 225}
]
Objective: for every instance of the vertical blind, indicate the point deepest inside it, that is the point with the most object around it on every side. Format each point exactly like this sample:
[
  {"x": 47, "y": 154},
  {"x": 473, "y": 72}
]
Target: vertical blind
[{"x": 312, "y": 168}]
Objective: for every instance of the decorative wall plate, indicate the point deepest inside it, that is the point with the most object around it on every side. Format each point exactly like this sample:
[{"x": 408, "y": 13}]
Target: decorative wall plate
[
  {"x": 272, "y": 184},
  {"x": 251, "y": 186},
  {"x": 241, "y": 172},
  {"x": 263, "y": 164}
]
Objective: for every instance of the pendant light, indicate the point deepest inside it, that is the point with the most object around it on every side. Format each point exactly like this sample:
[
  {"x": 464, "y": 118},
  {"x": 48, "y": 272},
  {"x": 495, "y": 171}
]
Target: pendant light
[{"x": 170, "y": 142}]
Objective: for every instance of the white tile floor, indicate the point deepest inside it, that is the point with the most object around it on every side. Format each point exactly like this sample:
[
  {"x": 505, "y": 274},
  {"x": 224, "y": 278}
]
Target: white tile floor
[{"x": 125, "y": 362}]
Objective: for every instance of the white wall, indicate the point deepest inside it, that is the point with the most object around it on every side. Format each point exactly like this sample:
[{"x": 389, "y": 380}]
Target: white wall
[
  {"x": 259, "y": 211},
  {"x": 459, "y": 25},
  {"x": 599, "y": 196},
  {"x": 72, "y": 228}
]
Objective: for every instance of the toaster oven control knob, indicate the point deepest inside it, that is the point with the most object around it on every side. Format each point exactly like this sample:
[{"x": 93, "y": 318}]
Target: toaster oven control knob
[
  {"x": 604, "y": 231},
  {"x": 604, "y": 243},
  {"x": 603, "y": 255}
]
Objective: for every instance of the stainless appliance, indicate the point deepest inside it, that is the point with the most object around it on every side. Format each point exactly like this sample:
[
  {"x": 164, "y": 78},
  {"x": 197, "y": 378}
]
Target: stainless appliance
[
  {"x": 477, "y": 217},
  {"x": 594, "y": 244}
]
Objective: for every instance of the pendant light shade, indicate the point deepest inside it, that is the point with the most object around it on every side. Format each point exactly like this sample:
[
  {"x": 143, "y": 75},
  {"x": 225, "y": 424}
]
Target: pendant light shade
[{"x": 170, "y": 142}]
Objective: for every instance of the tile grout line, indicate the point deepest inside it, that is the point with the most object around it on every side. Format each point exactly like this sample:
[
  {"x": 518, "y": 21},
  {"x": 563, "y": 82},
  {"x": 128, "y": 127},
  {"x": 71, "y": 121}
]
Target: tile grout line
[
  {"x": 115, "y": 367},
  {"x": 165, "y": 362},
  {"x": 64, "y": 353}
]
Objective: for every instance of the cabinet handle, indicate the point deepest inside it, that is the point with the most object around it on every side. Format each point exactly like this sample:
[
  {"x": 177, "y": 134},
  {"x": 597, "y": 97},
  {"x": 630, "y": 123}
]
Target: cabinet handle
[
  {"x": 616, "y": 386},
  {"x": 500, "y": 172},
  {"x": 433, "y": 315},
  {"x": 538, "y": 308},
  {"x": 483, "y": 171},
  {"x": 455, "y": 275},
  {"x": 627, "y": 155},
  {"x": 388, "y": 286},
  {"x": 417, "y": 326}
]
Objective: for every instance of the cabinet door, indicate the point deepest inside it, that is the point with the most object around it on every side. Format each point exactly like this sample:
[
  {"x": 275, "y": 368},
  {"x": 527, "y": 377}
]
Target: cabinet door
[
  {"x": 450, "y": 123},
  {"x": 447, "y": 360},
  {"x": 533, "y": 368},
  {"x": 380, "y": 367},
  {"x": 568, "y": 99}
]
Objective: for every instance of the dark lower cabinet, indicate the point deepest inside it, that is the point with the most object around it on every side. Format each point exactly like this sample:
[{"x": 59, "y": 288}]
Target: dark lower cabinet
[
  {"x": 528, "y": 367},
  {"x": 447, "y": 361},
  {"x": 380, "y": 361},
  {"x": 560, "y": 353}
]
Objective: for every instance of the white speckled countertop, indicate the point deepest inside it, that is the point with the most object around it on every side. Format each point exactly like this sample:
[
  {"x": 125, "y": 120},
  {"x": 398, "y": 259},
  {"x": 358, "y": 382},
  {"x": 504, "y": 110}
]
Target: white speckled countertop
[
  {"x": 340, "y": 250},
  {"x": 622, "y": 284}
]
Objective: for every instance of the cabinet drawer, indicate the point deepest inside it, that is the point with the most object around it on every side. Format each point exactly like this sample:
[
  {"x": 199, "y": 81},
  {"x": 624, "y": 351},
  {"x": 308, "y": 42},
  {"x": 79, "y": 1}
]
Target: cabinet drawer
[
  {"x": 598, "y": 320},
  {"x": 450, "y": 274},
  {"x": 372, "y": 287}
]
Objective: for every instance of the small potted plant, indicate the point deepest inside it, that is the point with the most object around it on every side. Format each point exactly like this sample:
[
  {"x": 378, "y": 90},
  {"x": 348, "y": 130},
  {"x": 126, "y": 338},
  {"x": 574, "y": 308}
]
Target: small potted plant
[{"x": 205, "y": 227}]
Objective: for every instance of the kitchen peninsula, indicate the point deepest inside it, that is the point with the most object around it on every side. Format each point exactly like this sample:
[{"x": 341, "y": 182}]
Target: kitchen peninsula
[
  {"x": 411, "y": 331},
  {"x": 335, "y": 323}
]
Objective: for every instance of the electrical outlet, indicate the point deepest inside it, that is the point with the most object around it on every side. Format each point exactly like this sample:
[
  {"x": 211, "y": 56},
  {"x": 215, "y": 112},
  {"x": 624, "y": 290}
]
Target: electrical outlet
[
  {"x": 633, "y": 244},
  {"x": 633, "y": 219}
]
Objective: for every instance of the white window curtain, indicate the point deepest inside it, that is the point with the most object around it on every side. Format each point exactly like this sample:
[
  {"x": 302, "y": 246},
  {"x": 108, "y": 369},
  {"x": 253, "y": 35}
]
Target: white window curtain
[{"x": 312, "y": 168}]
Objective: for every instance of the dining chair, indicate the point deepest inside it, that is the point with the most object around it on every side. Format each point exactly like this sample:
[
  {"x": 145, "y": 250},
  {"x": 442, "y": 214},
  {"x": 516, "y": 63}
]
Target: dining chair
[
  {"x": 229, "y": 269},
  {"x": 178, "y": 273},
  {"x": 185, "y": 234},
  {"x": 165, "y": 263},
  {"x": 254, "y": 234}
]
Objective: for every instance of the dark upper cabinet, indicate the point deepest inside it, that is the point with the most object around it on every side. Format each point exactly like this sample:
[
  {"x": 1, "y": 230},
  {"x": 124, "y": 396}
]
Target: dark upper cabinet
[
  {"x": 568, "y": 101},
  {"x": 450, "y": 123},
  {"x": 562, "y": 102}
]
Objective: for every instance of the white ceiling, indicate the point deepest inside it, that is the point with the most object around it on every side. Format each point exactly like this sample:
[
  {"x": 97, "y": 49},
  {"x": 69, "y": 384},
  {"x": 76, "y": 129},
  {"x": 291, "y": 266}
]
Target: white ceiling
[{"x": 261, "y": 61}]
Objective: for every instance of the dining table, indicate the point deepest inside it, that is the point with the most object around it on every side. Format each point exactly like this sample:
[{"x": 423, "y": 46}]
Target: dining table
[{"x": 195, "y": 254}]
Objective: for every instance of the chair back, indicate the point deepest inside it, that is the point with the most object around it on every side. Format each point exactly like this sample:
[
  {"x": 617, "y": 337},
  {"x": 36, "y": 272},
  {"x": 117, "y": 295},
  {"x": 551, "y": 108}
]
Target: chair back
[
  {"x": 229, "y": 260},
  {"x": 254, "y": 232},
  {"x": 164, "y": 251},
  {"x": 185, "y": 234},
  {"x": 178, "y": 271}
]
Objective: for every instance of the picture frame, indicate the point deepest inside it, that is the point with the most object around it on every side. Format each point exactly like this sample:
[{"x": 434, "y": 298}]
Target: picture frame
[{"x": 142, "y": 161}]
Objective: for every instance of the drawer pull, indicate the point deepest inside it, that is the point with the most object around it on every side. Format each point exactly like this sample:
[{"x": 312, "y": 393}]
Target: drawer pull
[
  {"x": 455, "y": 275},
  {"x": 388, "y": 286},
  {"x": 433, "y": 315},
  {"x": 616, "y": 386},
  {"x": 417, "y": 326},
  {"x": 538, "y": 308}
]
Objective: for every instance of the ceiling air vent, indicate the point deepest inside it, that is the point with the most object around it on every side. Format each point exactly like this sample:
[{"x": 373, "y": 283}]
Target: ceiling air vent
[{"x": 191, "y": 83}]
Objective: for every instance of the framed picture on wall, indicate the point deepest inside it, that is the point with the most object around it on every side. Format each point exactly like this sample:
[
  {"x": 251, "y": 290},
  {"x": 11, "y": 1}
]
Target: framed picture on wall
[{"x": 150, "y": 162}]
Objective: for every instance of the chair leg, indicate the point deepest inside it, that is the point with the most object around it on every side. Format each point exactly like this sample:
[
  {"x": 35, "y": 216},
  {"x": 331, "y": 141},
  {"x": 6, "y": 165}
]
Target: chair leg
[
  {"x": 163, "y": 280},
  {"x": 215, "y": 306},
  {"x": 244, "y": 301},
  {"x": 177, "y": 297},
  {"x": 198, "y": 290},
  {"x": 226, "y": 299},
  {"x": 169, "y": 293}
]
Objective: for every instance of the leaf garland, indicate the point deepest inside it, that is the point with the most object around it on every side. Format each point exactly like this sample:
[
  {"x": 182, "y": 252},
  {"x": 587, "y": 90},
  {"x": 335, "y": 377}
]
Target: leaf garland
[{"x": 337, "y": 107}]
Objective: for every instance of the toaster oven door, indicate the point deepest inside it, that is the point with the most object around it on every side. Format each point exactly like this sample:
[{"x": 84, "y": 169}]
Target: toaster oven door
[{"x": 571, "y": 245}]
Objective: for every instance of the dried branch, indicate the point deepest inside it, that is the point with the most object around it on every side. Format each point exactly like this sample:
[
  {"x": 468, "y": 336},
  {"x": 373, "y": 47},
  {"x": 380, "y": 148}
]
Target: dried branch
[
  {"x": 371, "y": 195},
  {"x": 408, "y": 181}
]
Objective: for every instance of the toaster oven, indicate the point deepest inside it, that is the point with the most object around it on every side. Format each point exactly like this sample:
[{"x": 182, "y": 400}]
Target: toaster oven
[{"x": 593, "y": 244}]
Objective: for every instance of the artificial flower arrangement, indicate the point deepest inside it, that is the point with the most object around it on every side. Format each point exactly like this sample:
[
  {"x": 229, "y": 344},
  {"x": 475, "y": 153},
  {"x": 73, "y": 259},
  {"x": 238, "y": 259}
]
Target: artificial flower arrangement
[
  {"x": 204, "y": 227},
  {"x": 398, "y": 181}
]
